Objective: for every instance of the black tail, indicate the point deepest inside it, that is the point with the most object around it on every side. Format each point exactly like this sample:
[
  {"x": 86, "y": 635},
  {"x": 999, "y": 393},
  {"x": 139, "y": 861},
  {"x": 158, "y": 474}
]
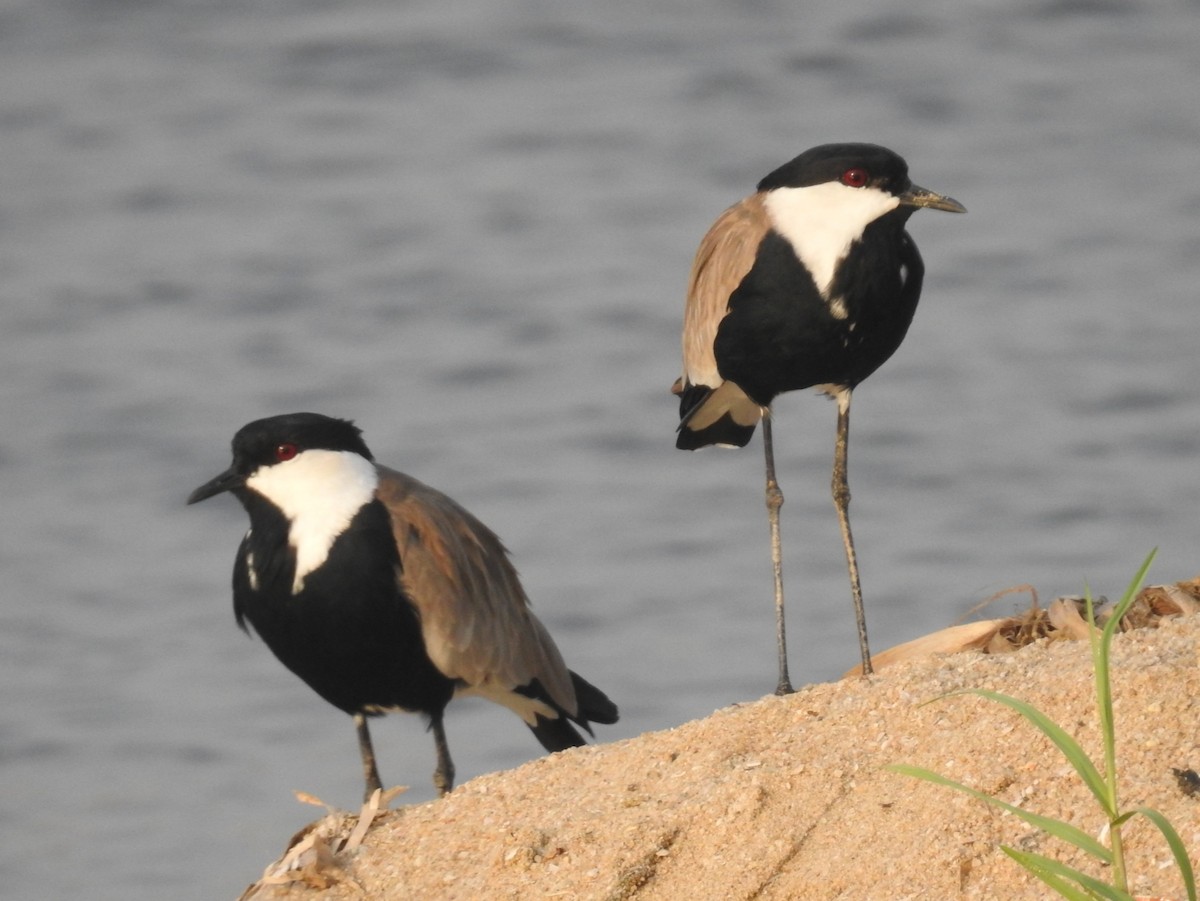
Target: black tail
[
  {"x": 594, "y": 704},
  {"x": 723, "y": 433},
  {"x": 558, "y": 734},
  {"x": 723, "y": 416}
]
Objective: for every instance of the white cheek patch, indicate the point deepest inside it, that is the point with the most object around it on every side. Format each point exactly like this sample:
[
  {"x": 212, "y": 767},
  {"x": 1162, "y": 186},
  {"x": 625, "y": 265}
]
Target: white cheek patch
[
  {"x": 822, "y": 221},
  {"x": 319, "y": 491}
]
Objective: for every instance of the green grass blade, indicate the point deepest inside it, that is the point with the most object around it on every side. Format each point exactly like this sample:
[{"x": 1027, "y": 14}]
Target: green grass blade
[
  {"x": 1059, "y": 877},
  {"x": 1064, "y": 831},
  {"x": 1064, "y": 742},
  {"x": 1101, "y": 646},
  {"x": 1130, "y": 595},
  {"x": 1104, "y": 710},
  {"x": 1064, "y": 887},
  {"x": 1177, "y": 848}
]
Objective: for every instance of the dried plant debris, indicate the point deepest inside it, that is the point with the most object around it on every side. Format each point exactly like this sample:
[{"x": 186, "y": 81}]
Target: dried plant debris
[
  {"x": 316, "y": 854},
  {"x": 1064, "y": 618},
  {"x": 1157, "y": 601}
]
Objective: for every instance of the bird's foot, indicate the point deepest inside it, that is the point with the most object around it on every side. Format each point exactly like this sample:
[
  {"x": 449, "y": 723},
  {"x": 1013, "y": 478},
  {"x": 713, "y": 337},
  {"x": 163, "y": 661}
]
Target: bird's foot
[{"x": 443, "y": 781}]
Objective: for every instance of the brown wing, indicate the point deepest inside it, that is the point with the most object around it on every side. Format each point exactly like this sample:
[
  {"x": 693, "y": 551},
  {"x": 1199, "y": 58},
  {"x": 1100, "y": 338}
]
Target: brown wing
[
  {"x": 475, "y": 617},
  {"x": 725, "y": 256}
]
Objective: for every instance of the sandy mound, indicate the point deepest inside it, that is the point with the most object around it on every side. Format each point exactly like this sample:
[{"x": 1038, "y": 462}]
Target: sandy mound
[{"x": 790, "y": 798}]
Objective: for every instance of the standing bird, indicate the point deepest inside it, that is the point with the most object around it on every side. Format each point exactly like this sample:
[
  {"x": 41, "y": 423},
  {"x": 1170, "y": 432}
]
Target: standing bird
[
  {"x": 812, "y": 281},
  {"x": 384, "y": 594}
]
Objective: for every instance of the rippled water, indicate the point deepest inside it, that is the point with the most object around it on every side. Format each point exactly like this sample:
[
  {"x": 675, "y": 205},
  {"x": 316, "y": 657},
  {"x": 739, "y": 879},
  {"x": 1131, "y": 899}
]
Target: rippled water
[{"x": 467, "y": 226}]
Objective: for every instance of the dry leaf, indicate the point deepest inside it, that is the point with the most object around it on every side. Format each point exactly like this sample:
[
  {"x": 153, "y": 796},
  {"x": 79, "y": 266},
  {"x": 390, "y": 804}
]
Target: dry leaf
[{"x": 965, "y": 637}]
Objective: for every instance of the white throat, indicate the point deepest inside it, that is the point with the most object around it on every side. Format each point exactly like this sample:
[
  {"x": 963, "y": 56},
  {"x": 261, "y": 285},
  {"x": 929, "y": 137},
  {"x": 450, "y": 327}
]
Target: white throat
[
  {"x": 319, "y": 491},
  {"x": 822, "y": 221}
]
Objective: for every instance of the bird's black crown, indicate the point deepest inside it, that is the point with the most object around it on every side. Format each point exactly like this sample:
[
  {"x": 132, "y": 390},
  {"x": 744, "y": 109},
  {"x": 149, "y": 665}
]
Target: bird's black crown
[
  {"x": 828, "y": 162},
  {"x": 256, "y": 443}
]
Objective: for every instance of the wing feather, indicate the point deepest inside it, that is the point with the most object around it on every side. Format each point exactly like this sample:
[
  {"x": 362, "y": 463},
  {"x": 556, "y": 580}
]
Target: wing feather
[
  {"x": 475, "y": 616},
  {"x": 724, "y": 257}
]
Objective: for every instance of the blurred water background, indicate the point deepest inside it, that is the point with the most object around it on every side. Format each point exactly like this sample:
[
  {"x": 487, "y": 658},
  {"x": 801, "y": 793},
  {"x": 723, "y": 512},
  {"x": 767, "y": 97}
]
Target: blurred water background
[{"x": 467, "y": 225}]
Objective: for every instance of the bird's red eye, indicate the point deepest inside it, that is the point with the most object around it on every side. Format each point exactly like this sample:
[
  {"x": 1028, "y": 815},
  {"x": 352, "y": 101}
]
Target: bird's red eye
[
  {"x": 854, "y": 178},
  {"x": 285, "y": 452}
]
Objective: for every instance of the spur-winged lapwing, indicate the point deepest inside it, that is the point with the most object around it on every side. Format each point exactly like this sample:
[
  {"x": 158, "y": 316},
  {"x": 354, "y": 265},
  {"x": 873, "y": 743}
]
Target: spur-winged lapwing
[
  {"x": 812, "y": 281},
  {"x": 384, "y": 594}
]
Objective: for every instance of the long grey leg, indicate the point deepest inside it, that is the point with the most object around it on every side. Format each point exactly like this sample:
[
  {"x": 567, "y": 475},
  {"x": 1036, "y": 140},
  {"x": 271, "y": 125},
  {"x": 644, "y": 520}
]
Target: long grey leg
[
  {"x": 841, "y": 500},
  {"x": 774, "y": 502},
  {"x": 365, "y": 748},
  {"x": 443, "y": 776}
]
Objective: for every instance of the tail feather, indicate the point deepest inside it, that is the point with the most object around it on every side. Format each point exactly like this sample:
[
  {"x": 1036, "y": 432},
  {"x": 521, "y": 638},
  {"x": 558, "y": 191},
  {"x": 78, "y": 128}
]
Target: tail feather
[
  {"x": 594, "y": 704},
  {"x": 558, "y": 733},
  {"x": 724, "y": 416}
]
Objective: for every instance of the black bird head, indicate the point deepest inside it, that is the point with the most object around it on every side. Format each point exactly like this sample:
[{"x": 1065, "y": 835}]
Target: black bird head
[
  {"x": 865, "y": 168},
  {"x": 824, "y": 200},
  {"x": 269, "y": 442}
]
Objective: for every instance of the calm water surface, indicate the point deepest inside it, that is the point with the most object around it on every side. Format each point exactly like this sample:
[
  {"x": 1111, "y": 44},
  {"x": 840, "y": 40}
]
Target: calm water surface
[{"x": 467, "y": 225}]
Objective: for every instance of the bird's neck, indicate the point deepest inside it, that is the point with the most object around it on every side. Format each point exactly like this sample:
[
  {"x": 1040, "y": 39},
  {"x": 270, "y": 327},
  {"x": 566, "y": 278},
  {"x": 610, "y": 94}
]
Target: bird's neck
[
  {"x": 822, "y": 222},
  {"x": 317, "y": 494}
]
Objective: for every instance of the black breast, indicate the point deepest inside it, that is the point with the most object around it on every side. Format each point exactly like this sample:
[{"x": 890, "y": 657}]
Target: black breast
[
  {"x": 780, "y": 334},
  {"x": 350, "y": 633}
]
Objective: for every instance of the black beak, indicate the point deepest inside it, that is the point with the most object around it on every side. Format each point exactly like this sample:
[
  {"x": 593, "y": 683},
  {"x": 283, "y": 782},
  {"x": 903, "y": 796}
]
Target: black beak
[
  {"x": 923, "y": 197},
  {"x": 226, "y": 481}
]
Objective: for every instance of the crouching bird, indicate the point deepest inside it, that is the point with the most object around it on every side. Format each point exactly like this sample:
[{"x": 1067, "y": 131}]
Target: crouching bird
[
  {"x": 383, "y": 594},
  {"x": 812, "y": 281}
]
